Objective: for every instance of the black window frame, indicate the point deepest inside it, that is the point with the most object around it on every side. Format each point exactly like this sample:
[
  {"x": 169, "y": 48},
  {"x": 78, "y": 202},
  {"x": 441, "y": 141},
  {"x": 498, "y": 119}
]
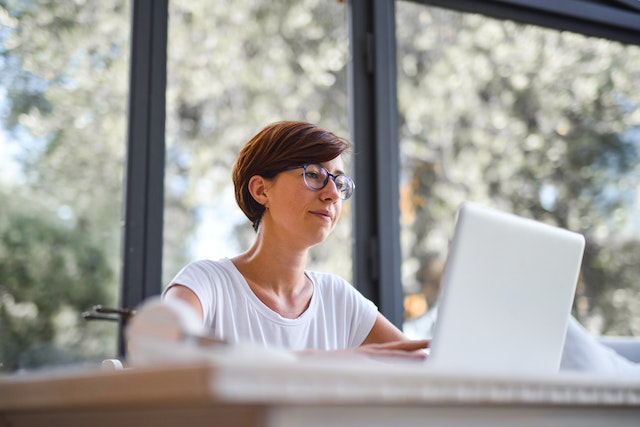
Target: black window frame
[{"x": 143, "y": 207}]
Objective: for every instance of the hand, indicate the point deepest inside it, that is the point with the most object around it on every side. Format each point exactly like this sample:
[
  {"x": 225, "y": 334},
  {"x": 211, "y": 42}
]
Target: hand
[
  {"x": 404, "y": 349},
  {"x": 412, "y": 349}
]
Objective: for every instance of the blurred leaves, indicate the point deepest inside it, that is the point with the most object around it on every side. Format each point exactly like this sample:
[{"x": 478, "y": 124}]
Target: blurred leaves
[
  {"x": 48, "y": 269},
  {"x": 537, "y": 122},
  {"x": 63, "y": 79}
]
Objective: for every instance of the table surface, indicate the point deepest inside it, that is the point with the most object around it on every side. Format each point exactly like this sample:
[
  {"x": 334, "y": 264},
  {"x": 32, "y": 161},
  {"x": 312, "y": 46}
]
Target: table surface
[{"x": 248, "y": 388}]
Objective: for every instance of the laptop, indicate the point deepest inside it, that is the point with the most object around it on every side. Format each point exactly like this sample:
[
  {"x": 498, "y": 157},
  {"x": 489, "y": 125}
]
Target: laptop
[{"x": 506, "y": 295}]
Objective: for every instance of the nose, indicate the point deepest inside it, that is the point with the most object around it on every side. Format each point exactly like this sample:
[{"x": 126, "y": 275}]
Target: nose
[{"x": 330, "y": 191}]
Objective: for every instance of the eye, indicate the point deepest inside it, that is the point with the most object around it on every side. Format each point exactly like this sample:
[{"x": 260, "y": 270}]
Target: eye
[
  {"x": 315, "y": 173},
  {"x": 312, "y": 175},
  {"x": 341, "y": 183}
]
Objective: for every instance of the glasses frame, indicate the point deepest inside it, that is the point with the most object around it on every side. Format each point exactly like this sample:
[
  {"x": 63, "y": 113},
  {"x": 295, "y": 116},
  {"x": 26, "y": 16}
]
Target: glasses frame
[{"x": 326, "y": 180}]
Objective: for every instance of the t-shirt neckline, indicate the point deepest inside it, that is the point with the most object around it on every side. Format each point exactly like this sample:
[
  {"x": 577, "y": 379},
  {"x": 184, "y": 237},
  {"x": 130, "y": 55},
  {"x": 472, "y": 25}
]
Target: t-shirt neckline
[{"x": 263, "y": 308}]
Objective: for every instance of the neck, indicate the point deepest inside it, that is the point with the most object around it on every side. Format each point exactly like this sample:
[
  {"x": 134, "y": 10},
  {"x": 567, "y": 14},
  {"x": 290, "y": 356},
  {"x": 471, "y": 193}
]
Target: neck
[
  {"x": 276, "y": 276},
  {"x": 277, "y": 268}
]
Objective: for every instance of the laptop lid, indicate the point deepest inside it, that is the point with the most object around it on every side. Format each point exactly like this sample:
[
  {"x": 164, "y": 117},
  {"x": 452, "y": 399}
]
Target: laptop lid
[{"x": 506, "y": 294}]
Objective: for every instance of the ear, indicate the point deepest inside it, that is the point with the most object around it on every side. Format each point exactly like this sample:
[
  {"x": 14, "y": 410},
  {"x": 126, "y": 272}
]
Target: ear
[{"x": 258, "y": 189}]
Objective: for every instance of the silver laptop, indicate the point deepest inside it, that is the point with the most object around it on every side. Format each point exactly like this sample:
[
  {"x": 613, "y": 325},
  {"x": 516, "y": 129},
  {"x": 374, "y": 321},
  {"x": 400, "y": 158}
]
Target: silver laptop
[{"x": 506, "y": 295}]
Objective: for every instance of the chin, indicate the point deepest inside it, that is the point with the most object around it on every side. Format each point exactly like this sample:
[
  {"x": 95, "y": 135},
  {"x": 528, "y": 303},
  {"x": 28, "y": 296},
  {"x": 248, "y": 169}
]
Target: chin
[{"x": 320, "y": 238}]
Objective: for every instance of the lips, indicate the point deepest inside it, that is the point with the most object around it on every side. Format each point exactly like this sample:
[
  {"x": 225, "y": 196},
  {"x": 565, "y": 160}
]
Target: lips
[{"x": 324, "y": 214}]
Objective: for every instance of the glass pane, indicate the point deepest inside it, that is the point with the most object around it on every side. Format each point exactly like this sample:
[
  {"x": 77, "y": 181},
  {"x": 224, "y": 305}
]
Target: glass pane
[
  {"x": 538, "y": 122},
  {"x": 233, "y": 69},
  {"x": 64, "y": 71}
]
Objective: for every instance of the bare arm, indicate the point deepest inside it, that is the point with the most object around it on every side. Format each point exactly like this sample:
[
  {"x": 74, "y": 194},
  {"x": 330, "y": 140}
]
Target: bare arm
[
  {"x": 187, "y": 295},
  {"x": 385, "y": 339},
  {"x": 384, "y": 331}
]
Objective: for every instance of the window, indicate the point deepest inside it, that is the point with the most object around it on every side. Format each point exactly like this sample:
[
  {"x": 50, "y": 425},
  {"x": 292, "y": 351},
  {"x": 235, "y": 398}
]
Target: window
[
  {"x": 63, "y": 89},
  {"x": 539, "y": 122}
]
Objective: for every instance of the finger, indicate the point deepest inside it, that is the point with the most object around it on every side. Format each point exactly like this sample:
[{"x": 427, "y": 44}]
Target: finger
[{"x": 399, "y": 354}]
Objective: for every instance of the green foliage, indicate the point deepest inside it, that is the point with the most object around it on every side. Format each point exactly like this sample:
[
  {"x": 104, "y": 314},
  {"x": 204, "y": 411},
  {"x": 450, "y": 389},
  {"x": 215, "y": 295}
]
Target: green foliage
[
  {"x": 537, "y": 122},
  {"x": 64, "y": 74},
  {"x": 47, "y": 268}
]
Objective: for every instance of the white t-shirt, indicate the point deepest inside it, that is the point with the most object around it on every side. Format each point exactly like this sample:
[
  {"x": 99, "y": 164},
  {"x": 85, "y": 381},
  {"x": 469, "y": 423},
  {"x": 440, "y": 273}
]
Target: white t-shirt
[{"x": 338, "y": 315}]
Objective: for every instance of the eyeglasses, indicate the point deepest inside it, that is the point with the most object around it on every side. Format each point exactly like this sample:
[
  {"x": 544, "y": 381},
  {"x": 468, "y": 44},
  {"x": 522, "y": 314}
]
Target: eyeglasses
[{"x": 317, "y": 176}]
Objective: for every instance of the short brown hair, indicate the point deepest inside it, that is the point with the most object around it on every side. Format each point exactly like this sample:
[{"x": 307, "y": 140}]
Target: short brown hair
[{"x": 279, "y": 146}]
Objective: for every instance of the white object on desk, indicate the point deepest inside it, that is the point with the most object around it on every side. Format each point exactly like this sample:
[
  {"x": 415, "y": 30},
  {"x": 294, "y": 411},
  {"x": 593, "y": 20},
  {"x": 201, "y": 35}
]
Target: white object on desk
[{"x": 166, "y": 332}]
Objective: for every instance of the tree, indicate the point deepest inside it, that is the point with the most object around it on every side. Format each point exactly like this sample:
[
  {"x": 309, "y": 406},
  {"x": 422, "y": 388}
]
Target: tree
[
  {"x": 64, "y": 69},
  {"x": 48, "y": 269},
  {"x": 536, "y": 122}
]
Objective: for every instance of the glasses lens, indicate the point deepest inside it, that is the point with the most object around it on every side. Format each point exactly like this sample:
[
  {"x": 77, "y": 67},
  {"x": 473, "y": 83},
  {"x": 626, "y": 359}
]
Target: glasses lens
[
  {"x": 315, "y": 176},
  {"x": 345, "y": 186}
]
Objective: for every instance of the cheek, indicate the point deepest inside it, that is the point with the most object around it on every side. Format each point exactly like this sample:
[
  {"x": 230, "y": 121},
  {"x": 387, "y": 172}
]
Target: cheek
[
  {"x": 296, "y": 203},
  {"x": 338, "y": 211}
]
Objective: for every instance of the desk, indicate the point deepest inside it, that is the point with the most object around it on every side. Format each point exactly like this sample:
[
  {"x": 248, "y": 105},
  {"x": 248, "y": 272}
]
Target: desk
[{"x": 310, "y": 392}]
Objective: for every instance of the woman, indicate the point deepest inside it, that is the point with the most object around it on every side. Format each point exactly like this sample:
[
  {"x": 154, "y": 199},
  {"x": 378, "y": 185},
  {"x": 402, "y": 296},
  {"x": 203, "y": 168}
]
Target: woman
[{"x": 289, "y": 181}]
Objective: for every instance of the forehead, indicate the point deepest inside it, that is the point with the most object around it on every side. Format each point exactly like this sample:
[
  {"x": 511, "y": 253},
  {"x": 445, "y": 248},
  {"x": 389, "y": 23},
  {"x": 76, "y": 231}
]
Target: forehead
[{"x": 335, "y": 165}]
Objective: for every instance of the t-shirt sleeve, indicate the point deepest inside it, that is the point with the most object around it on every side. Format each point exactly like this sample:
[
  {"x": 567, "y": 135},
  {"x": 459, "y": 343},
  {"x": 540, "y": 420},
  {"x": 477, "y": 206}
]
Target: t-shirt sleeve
[{"x": 197, "y": 277}]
